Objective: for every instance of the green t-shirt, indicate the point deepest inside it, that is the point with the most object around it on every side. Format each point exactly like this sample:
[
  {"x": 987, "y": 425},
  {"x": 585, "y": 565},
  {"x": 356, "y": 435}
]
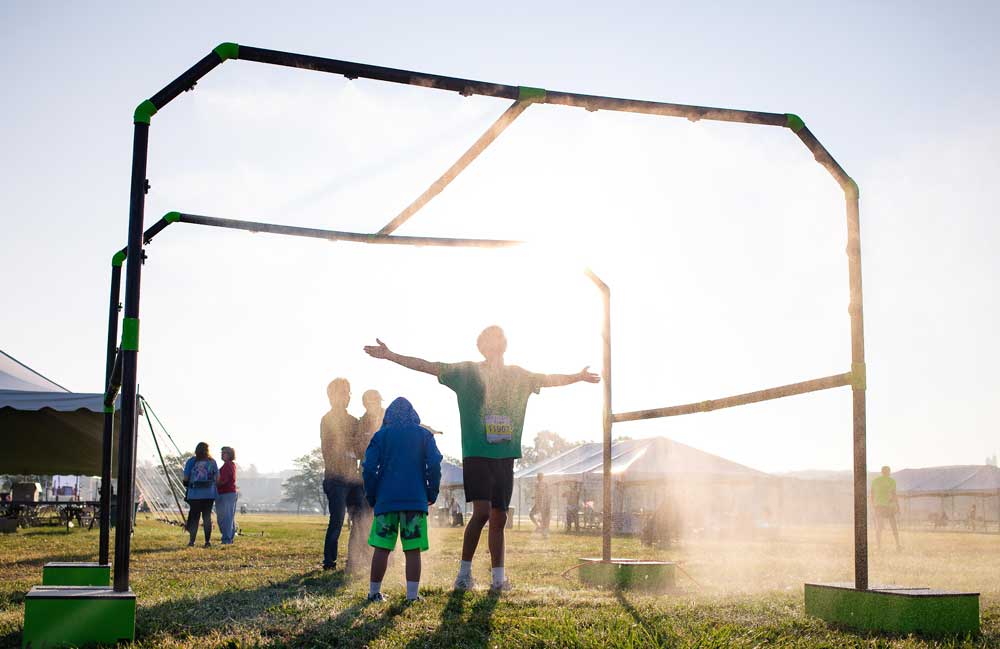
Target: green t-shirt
[
  {"x": 491, "y": 405},
  {"x": 883, "y": 489}
]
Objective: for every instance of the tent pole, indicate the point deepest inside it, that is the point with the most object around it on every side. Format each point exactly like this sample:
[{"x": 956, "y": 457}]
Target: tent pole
[
  {"x": 107, "y": 440},
  {"x": 163, "y": 463}
]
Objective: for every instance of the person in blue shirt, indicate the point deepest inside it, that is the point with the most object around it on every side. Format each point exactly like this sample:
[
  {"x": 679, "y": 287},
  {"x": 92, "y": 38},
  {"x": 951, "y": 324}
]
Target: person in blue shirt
[
  {"x": 200, "y": 475},
  {"x": 402, "y": 475}
]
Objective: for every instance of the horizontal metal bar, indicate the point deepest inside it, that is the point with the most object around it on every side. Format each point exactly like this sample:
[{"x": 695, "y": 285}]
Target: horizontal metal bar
[
  {"x": 473, "y": 87},
  {"x": 486, "y": 139},
  {"x": 379, "y": 73},
  {"x": 693, "y": 113},
  {"x": 825, "y": 383},
  {"x": 334, "y": 235}
]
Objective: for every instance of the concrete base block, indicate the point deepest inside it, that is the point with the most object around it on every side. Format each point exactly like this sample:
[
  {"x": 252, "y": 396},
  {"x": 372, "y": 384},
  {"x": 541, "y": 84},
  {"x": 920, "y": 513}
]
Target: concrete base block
[
  {"x": 895, "y": 609},
  {"x": 76, "y": 574},
  {"x": 628, "y": 574},
  {"x": 60, "y": 616}
]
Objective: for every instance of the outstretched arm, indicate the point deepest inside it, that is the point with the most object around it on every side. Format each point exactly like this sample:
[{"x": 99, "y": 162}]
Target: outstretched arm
[
  {"x": 559, "y": 380},
  {"x": 410, "y": 362}
]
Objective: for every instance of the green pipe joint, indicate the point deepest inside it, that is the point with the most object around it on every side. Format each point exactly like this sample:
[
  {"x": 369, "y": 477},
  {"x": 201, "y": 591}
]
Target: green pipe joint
[
  {"x": 119, "y": 258},
  {"x": 526, "y": 93},
  {"x": 172, "y": 217},
  {"x": 130, "y": 334},
  {"x": 859, "y": 376},
  {"x": 794, "y": 122},
  {"x": 144, "y": 112},
  {"x": 109, "y": 410},
  {"x": 226, "y": 51},
  {"x": 851, "y": 189}
]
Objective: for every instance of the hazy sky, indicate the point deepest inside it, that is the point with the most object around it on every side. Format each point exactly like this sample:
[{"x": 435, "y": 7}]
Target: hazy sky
[{"x": 723, "y": 244}]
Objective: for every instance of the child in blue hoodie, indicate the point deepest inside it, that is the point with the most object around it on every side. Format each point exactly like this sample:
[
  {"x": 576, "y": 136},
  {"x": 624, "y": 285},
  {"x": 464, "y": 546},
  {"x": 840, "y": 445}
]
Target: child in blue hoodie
[{"x": 402, "y": 474}]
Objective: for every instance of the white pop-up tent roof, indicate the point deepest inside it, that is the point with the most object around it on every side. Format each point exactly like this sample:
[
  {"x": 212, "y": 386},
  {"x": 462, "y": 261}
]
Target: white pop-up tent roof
[
  {"x": 44, "y": 428},
  {"x": 976, "y": 479},
  {"x": 640, "y": 460}
]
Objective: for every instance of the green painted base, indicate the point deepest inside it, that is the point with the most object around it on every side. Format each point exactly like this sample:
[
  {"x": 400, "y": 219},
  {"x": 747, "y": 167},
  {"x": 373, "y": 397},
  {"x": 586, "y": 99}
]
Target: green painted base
[
  {"x": 76, "y": 574},
  {"x": 895, "y": 609},
  {"x": 628, "y": 574},
  {"x": 58, "y": 616}
]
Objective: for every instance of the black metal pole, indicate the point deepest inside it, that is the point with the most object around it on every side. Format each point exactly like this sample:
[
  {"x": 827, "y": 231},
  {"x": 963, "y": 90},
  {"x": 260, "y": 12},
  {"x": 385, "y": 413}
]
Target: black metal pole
[
  {"x": 859, "y": 387},
  {"x": 130, "y": 358},
  {"x": 608, "y": 420},
  {"x": 107, "y": 441}
]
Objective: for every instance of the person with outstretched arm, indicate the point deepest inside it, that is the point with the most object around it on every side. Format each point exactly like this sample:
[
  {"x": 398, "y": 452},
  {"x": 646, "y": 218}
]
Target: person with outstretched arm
[{"x": 492, "y": 399}]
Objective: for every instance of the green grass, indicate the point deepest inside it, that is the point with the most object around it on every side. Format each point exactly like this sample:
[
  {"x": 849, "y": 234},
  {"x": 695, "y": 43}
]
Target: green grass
[{"x": 267, "y": 591}]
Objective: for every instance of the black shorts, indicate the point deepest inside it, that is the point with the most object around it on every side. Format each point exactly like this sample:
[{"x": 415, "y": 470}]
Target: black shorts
[{"x": 486, "y": 478}]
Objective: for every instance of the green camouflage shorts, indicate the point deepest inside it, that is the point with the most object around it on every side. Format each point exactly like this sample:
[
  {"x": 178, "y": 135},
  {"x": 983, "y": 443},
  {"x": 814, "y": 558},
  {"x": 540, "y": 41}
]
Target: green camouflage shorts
[{"x": 411, "y": 527}]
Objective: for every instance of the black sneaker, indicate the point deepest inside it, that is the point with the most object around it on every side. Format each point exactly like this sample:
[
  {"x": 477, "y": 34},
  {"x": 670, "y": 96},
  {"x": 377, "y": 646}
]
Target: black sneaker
[{"x": 377, "y": 597}]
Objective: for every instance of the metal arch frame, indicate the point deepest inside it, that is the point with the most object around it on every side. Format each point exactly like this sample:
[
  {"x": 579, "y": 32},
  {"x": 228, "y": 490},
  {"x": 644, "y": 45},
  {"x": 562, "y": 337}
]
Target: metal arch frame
[{"x": 523, "y": 96}]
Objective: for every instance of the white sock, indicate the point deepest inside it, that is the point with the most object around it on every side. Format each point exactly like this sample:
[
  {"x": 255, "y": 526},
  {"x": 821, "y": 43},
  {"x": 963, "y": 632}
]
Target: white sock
[
  {"x": 498, "y": 576},
  {"x": 411, "y": 589},
  {"x": 464, "y": 568},
  {"x": 374, "y": 587}
]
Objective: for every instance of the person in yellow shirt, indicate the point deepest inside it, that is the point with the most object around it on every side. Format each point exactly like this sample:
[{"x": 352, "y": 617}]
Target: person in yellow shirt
[{"x": 885, "y": 504}]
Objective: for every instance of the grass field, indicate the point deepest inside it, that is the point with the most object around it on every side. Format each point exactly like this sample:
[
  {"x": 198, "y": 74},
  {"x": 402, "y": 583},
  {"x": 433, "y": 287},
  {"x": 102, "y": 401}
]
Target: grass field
[{"x": 267, "y": 591}]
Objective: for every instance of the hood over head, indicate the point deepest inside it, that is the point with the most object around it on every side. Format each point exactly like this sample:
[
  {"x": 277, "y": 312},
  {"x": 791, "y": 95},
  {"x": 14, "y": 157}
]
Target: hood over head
[{"x": 400, "y": 413}]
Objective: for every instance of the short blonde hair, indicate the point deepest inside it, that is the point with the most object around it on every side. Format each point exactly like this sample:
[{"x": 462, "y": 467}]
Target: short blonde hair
[{"x": 229, "y": 449}]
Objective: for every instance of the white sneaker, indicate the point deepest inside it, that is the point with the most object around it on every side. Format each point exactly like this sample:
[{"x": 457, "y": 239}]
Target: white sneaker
[
  {"x": 464, "y": 583},
  {"x": 505, "y": 587}
]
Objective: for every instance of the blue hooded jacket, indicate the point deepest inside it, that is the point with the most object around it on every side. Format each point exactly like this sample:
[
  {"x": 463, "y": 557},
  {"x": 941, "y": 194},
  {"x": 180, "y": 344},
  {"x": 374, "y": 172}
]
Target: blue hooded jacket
[{"x": 402, "y": 466}]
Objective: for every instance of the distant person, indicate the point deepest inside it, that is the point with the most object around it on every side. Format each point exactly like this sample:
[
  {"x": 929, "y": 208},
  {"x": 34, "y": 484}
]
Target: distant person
[
  {"x": 541, "y": 506},
  {"x": 972, "y": 517},
  {"x": 457, "y": 518},
  {"x": 228, "y": 495},
  {"x": 573, "y": 507},
  {"x": 200, "y": 475},
  {"x": 358, "y": 551},
  {"x": 492, "y": 399},
  {"x": 341, "y": 483},
  {"x": 402, "y": 475},
  {"x": 883, "y": 499}
]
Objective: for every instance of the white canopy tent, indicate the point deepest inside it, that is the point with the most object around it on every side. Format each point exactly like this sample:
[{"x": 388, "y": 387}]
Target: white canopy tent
[{"x": 44, "y": 428}]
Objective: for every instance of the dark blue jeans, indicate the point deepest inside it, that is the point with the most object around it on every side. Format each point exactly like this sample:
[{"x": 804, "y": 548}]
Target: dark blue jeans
[{"x": 340, "y": 496}]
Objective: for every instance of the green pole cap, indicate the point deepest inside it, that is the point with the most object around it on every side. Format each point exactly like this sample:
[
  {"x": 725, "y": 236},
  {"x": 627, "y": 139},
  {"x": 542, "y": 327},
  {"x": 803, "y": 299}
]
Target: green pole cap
[
  {"x": 526, "y": 93},
  {"x": 144, "y": 112},
  {"x": 794, "y": 122},
  {"x": 118, "y": 259},
  {"x": 227, "y": 51},
  {"x": 851, "y": 189},
  {"x": 172, "y": 217},
  {"x": 130, "y": 334}
]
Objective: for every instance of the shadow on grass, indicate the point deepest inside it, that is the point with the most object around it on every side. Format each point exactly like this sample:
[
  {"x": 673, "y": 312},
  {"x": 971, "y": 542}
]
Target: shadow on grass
[
  {"x": 453, "y": 630},
  {"x": 41, "y": 561},
  {"x": 344, "y": 629},
  {"x": 188, "y": 616}
]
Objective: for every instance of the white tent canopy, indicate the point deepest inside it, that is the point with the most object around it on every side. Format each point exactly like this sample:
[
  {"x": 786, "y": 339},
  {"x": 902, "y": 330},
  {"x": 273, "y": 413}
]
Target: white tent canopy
[
  {"x": 44, "y": 428},
  {"x": 639, "y": 460}
]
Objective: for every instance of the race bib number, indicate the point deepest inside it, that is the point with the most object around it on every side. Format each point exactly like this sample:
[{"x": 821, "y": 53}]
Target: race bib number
[{"x": 499, "y": 429}]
